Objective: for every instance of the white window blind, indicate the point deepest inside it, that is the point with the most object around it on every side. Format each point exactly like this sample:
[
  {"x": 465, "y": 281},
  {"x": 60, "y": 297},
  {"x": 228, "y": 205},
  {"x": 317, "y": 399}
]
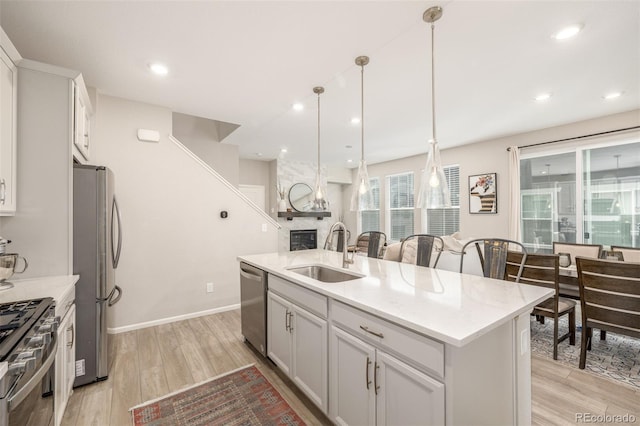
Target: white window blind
[
  {"x": 401, "y": 206},
  {"x": 446, "y": 221},
  {"x": 370, "y": 219}
]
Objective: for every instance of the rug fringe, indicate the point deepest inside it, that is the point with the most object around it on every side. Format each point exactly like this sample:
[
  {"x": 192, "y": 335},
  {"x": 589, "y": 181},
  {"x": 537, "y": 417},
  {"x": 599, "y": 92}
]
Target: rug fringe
[{"x": 151, "y": 401}]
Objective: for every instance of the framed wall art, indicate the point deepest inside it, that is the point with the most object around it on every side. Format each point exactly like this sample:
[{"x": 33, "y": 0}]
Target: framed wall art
[{"x": 483, "y": 194}]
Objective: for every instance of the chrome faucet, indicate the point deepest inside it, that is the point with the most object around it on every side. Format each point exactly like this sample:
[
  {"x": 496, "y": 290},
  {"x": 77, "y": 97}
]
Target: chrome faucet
[{"x": 345, "y": 258}]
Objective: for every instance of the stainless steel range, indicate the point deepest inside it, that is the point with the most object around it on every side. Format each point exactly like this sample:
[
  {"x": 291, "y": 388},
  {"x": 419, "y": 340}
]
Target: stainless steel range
[{"x": 28, "y": 344}]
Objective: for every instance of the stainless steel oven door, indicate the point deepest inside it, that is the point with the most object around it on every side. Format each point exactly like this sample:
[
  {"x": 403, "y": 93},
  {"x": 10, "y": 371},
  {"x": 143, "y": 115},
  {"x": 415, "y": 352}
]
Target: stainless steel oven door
[{"x": 31, "y": 402}]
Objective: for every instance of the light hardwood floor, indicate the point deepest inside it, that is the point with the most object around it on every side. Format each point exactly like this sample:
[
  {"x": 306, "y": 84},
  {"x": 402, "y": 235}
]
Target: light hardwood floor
[{"x": 152, "y": 362}]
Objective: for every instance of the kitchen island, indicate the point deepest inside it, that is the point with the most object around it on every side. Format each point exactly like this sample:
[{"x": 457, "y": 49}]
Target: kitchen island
[{"x": 461, "y": 341}]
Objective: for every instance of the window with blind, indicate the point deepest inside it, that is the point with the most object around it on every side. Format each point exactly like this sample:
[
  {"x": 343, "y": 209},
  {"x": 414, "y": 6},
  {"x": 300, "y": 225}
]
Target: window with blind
[
  {"x": 400, "y": 206},
  {"x": 370, "y": 219},
  {"x": 446, "y": 221}
]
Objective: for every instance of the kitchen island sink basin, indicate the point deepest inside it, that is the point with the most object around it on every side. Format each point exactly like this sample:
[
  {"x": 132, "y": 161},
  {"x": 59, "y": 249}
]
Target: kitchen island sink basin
[{"x": 324, "y": 274}]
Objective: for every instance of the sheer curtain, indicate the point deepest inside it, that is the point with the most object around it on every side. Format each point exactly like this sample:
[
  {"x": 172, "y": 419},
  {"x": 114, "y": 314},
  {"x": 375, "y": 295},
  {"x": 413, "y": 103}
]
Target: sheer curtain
[{"x": 514, "y": 192}]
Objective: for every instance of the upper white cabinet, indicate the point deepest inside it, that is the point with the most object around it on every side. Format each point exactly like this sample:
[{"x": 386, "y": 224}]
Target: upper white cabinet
[
  {"x": 8, "y": 123},
  {"x": 82, "y": 115},
  {"x": 297, "y": 337}
]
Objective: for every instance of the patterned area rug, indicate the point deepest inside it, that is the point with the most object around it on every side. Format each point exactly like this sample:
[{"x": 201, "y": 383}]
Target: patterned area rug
[
  {"x": 241, "y": 397},
  {"x": 616, "y": 358}
]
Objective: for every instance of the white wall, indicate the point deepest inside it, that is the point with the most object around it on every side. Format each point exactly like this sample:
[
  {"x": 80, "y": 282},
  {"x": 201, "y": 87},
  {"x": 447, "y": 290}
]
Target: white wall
[
  {"x": 41, "y": 229},
  {"x": 254, "y": 172},
  {"x": 174, "y": 239},
  {"x": 202, "y": 137},
  {"x": 485, "y": 157}
]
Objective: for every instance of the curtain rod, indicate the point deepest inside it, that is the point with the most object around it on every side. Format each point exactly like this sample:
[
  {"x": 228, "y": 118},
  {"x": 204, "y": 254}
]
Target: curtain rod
[{"x": 577, "y": 137}]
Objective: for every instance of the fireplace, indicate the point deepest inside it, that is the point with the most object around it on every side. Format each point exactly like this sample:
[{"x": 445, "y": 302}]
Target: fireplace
[{"x": 303, "y": 239}]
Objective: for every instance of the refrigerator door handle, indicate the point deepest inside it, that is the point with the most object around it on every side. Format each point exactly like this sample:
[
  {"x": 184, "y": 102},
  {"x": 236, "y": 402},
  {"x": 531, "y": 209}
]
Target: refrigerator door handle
[
  {"x": 115, "y": 214},
  {"x": 114, "y": 301}
]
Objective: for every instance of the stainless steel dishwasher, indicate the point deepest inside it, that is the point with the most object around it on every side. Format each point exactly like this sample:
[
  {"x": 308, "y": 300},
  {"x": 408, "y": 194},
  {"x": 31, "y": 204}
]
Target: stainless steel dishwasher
[{"x": 253, "y": 306}]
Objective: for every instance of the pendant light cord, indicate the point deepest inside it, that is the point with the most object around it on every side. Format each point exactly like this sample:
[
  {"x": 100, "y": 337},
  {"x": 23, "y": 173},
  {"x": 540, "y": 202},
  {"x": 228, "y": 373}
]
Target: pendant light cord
[
  {"x": 362, "y": 113},
  {"x": 433, "y": 85},
  {"x": 318, "y": 134}
]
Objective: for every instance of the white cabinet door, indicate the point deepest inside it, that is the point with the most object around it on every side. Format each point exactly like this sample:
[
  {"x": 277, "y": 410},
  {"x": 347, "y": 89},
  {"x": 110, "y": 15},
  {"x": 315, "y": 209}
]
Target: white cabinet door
[
  {"x": 70, "y": 350},
  {"x": 65, "y": 363},
  {"x": 352, "y": 397},
  {"x": 8, "y": 98},
  {"x": 279, "y": 331},
  {"x": 405, "y": 395},
  {"x": 310, "y": 355},
  {"x": 81, "y": 121}
]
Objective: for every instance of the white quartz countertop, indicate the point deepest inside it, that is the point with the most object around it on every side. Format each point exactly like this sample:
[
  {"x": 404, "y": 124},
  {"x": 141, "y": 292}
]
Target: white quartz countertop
[
  {"x": 448, "y": 306},
  {"x": 56, "y": 287}
]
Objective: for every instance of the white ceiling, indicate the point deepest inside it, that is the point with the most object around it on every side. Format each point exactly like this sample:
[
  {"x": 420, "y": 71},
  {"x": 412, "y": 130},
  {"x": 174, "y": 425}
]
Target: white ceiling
[{"x": 247, "y": 62}]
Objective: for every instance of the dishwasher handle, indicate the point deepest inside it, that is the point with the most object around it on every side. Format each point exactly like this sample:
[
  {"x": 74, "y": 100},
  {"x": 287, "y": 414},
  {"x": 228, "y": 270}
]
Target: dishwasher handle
[{"x": 248, "y": 275}]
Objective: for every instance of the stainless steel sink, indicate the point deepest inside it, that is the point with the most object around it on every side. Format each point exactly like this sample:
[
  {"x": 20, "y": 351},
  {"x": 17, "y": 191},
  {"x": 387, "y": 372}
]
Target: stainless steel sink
[{"x": 324, "y": 273}]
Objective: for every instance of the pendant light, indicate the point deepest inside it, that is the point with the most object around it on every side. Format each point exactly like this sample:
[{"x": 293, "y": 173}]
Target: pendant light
[
  {"x": 319, "y": 189},
  {"x": 434, "y": 191},
  {"x": 362, "y": 198}
]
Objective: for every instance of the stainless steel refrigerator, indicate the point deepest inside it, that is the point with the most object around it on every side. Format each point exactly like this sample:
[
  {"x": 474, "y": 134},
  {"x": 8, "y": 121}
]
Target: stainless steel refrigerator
[{"x": 97, "y": 243}]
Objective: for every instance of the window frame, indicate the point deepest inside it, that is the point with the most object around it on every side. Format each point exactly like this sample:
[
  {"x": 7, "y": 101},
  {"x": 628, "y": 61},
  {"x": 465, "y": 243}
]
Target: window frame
[
  {"x": 388, "y": 209},
  {"x": 424, "y": 222}
]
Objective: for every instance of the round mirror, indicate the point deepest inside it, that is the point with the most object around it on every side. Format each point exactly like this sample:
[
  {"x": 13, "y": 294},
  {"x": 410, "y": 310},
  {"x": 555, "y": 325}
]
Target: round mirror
[{"x": 301, "y": 197}]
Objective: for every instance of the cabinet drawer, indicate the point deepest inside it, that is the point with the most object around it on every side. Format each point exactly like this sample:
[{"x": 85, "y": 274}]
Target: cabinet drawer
[
  {"x": 307, "y": 299},
  {"x": 65, "y": 302},
  {"x": 415, "y": 348}
]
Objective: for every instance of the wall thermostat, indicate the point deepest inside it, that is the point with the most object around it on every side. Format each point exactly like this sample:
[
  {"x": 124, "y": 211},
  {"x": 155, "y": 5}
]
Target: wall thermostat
[{"x": 224, "y": 214}]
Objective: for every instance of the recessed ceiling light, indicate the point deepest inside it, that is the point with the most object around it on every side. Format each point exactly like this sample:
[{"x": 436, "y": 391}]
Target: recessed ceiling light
[
  {"x": 158, "y": 68},
  {"x": 298, "y": 106},
  {"x": 612, "y": 95},
  {"x": 567, "y": 32},
  {"x": 355, "y": 120},
  {"x": 283, "y": 150},
  {"x": 543, "y": 97},
  {"x": 349, "y": 160},
  {"x": 258, "y": 154}
]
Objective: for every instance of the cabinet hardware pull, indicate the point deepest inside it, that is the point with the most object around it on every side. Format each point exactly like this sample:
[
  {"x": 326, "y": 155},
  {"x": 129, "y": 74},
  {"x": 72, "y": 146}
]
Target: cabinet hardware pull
[
  {"x": 3, "y": 191},
  {"x": 367, "y": 368},
  {"x": 286, "y": 320},
  {"x": 375, "y": 377},
  {"x": 73, "y": 336},
  {"x": 375, "y": 333},
  {"x": 290, "y": 322}
]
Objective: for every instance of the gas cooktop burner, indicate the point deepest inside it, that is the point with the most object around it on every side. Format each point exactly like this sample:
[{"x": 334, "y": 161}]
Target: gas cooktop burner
[{"x": 16, "y": 318}]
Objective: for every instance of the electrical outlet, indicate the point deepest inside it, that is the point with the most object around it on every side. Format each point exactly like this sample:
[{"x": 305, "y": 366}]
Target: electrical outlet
[
  {"x": 264, "y": 227},
  {"x": 80, "y": 368},
  {"x": 209, "y": 287}
]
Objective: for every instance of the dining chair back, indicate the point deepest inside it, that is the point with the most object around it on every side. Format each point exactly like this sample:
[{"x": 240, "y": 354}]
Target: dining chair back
[
  {"x": 609, "y": 298},
  {"x": 372, "y": 243},
  {"x": 543, "y": 270},
  {"x": 418, "y": 249},
  {"x": 335, "y": 240},
  {"x": 493, "y": 256},
  {"x": 585, "y": 250},
  {"x": 630, "y": 254}
]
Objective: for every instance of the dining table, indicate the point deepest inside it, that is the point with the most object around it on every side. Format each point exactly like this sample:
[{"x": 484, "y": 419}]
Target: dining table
[{"x": 569, "y": 282}]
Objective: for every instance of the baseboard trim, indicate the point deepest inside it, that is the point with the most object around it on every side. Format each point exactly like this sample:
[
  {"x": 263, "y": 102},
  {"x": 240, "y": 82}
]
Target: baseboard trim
[{"x": 168, "y": 320}]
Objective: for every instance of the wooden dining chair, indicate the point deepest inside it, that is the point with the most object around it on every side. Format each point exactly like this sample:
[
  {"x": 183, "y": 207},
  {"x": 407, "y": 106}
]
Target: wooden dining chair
[
  {"x": 630, "y": 254},
  {"x": 543, "y": 270},
  {"x": 612, "y": 255},
  {"x": 609, "y": 299},
  {"x": 372, "y": 243},
  {"x": 493, "y": 256},
  {"x": 585, "y": 250},
  {"x": 418, "y": 249}
]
